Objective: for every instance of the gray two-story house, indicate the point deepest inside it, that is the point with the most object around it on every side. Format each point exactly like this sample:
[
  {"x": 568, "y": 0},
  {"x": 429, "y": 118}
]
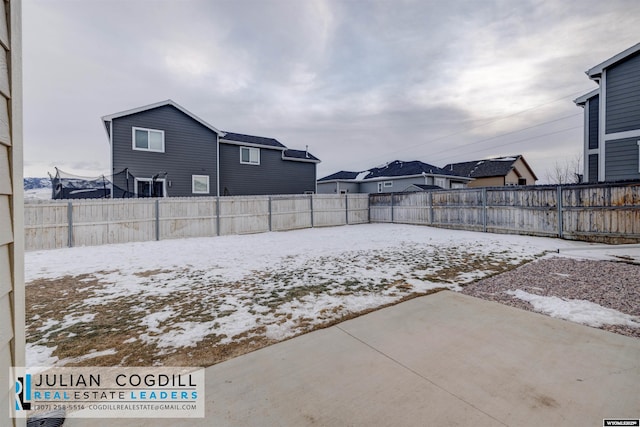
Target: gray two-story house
[
  {"x": 612, "y": 119},
  {"x": 162, "y": 150},
  {"x": 396, "y": 176}
]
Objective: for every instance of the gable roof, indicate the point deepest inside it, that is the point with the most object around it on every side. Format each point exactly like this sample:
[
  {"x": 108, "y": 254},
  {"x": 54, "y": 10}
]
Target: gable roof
[
  {"x": 251, "y": 139},
  {"x": 397, "y": 168},
  {"x": 596, "y": 72},
  {"x": 499, "y": 166},
  {"x": 581, "y": 100},
  {"x": 170, "y": 102}
]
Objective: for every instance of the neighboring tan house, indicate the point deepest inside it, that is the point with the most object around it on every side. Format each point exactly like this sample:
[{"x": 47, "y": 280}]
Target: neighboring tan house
[
  {"x": 12, "y": 303},
  {"x": 393, "y": 177},
  {"x": 165, "y": 150},
  {"x": 496, "y": 172},
  {"x": 612, "y": 119}
]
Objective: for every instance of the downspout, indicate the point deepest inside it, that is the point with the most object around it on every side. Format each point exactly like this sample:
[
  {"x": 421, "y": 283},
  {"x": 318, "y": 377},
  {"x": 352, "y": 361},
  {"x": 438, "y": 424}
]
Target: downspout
[
  {"x": 217, "y": 164},
  {"x": 111, "y": 143}
]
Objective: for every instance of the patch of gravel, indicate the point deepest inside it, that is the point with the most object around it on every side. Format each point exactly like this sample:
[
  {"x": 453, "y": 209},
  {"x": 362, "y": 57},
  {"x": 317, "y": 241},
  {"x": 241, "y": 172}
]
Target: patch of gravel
[{"x": 614, "y": 285}]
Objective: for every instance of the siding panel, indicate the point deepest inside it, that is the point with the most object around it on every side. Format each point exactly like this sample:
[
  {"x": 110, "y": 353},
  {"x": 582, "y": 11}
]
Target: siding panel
[
  {"x": 272, "y": 176},
  {"x": 621, "y": 159},
  {"x": 5, "y": 172},
  {"x": 623, "y": 96},
  {"x": 190, "y": 149},
  {"x": 6, "y": 234},
  {"x": 593, "y": 168},
  {"x": 5, "y": 270},
  {"x": 5, "y": 133},
  {"x": 594, "y": 127},
  {"x": 4, "y": 74}
]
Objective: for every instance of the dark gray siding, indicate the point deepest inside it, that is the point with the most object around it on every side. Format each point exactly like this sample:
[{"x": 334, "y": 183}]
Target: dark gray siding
[
  {"x": 594, "y": 128},
  {"x": 272, "y": 176},
  {"x": 621, "y": 159},
  {"x": 190, "y": 149},
  {"x": 593, "y": 168},
  {"x": 623, "y": 96}
]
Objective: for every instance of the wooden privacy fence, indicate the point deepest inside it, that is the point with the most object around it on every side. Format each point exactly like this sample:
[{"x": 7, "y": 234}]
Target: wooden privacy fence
[
  {"x": 607, "y": 213},
  {"x": 55, "y": 224}
]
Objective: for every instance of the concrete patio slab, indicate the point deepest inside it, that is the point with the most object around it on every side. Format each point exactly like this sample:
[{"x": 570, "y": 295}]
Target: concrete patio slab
[{"x": 444, "y": 359}]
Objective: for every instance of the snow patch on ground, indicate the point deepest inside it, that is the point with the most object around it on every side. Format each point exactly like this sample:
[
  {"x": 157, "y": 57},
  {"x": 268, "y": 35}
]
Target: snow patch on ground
[
  {"x": 176, "y": 293},
  {"x": 579, "y": 311}
]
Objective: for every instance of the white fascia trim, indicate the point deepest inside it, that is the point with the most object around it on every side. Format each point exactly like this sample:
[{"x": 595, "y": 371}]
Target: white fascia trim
[
  {"x": 596, "y": 71},
  {"x": 248, "y": 144},
  {"x": 581, "y": 100},
  {"x": 161, "y": 104},
  {"x": 108, "y": 132},
  {"x": 622, "y": 135}
]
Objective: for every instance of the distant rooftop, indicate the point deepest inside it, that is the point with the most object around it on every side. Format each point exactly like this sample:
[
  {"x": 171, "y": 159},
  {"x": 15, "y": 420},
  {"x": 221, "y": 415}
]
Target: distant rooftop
[
  {"x": 499, "y": 166},
  {"x": 396, "y": 168}
]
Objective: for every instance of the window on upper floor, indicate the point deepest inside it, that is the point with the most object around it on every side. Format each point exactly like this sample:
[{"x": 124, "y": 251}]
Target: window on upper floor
[
  {"x": 441, "y": 182},
  {"x": 249, "y": 156},
  {"x": 148, "y": 140},
  {"x": 522, "y": 181},
  {"x": 388, "y": 184}
]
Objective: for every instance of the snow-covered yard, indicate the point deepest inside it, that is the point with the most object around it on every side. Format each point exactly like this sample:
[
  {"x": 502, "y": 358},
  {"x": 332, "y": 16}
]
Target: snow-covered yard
[{"x": 199, "y": 301}]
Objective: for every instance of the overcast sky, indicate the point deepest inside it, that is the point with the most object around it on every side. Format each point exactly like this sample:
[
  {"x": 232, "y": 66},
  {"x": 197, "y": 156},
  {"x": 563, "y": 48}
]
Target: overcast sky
[{"x": 360, "y": 82}]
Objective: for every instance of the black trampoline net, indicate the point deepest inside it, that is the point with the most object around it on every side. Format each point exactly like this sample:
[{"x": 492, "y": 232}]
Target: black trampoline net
[{"x": 69, "y": 186}]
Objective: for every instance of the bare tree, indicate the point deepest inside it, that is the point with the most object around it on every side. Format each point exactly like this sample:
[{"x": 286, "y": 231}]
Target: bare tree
[{"x": 568, "y": 171}]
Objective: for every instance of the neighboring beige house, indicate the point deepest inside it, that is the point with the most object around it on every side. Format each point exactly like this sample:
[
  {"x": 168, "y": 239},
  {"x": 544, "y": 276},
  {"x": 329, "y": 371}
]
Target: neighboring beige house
[
  {"x": 12, "y": 304},
  {"x": 496, "y": 172}
]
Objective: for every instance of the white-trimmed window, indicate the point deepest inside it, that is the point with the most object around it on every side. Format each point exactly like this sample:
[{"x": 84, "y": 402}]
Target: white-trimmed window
[
  {"x": 249, "y": 156},
  {"x": 148, "y": 187},
  {"x": 441, "y": 182},
  {"x": 388, "y": 184},
  {"x": 148, "y": 139},
  {"x": 200, "y": 184}
]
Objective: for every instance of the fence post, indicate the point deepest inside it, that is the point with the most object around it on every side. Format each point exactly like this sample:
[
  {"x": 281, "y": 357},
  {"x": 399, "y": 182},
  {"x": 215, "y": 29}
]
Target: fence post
[
  {"x": 559, "y": 204},
  {"x": 157, "y": 219},
  {"x": 391, "y": 208},
  {"x": 346, "y": 208},
  {"x": 484, "y": 209},
  {"x": 311, "y": 208},
  {"x": 269, "y": 213},
  {"x": 70, "y": 224},
  {"x": 217, "y": 215},
  {"x": 369, "y": 209},
  {"x": 430, "y": 199}
]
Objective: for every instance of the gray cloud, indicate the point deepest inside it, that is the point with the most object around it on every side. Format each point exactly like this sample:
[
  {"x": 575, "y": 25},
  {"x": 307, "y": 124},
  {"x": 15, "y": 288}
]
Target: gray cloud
[{"x": 359, "y": 82}]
